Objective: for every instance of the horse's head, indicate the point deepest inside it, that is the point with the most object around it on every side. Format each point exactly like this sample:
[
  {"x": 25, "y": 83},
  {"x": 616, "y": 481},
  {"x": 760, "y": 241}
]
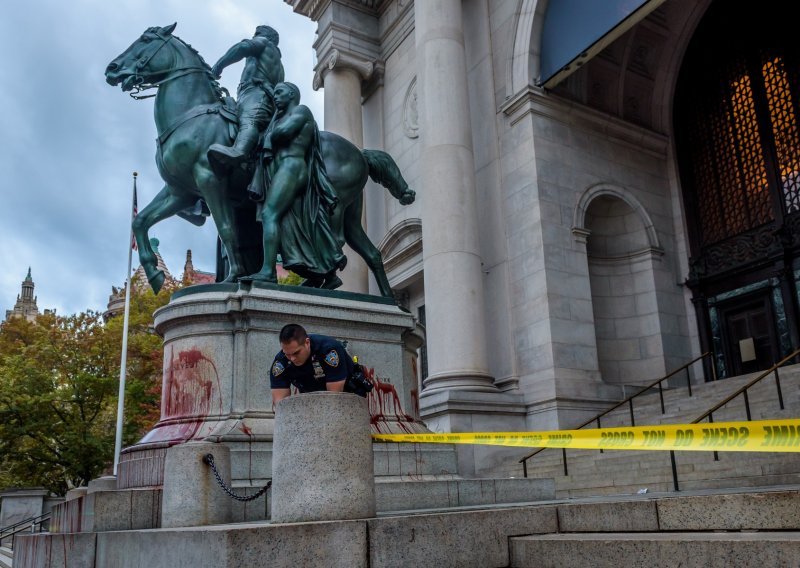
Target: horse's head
[{"x": 145, "y": 61}]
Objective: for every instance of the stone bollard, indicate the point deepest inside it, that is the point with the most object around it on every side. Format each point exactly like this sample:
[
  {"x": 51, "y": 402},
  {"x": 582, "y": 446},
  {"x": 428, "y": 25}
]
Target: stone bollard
[
  {"x": 105, "y": 483},
  {"x": 76, "y": 493},
  {"x": 322, "y": 465},
  {"x": 191, "y": 496}
]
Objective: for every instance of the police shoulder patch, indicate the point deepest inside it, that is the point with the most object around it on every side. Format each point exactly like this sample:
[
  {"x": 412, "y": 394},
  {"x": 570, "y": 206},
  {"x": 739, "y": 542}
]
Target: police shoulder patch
[
  {"x": 332, "y": 358},
  {"x": 277, "y": 368}
]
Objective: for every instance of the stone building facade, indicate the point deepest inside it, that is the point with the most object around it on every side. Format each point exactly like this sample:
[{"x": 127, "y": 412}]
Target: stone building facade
[{"x": 578, "y": 228}]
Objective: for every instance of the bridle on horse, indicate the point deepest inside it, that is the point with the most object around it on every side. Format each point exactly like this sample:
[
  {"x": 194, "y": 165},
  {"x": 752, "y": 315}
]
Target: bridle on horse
[{"x": 172, "y": 74}]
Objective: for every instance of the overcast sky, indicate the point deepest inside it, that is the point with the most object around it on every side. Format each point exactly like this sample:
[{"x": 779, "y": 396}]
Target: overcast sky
[{"x": 70, "y": 142}]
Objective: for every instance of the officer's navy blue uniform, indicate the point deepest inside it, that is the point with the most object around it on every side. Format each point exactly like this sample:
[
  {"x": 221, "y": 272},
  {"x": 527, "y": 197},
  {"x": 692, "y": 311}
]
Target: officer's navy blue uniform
[{"x": 328, "y": 363}]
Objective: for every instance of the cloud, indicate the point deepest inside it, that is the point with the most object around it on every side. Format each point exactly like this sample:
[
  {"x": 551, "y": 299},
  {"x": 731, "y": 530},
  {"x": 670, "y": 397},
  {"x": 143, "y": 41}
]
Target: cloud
[{"x": 71, "y": 142}]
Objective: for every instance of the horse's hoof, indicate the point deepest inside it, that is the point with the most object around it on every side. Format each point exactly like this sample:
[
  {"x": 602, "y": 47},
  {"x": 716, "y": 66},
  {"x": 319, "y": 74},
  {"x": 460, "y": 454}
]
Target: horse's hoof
[
  {"x": 157, "y": 281},
  {"x": 408, "y": 197}
]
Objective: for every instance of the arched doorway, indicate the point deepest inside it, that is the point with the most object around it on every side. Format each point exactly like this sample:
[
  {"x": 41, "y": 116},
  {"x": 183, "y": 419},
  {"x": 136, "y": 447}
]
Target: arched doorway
[
  {"x": 621, "y": 253},
  {"x": 737, "y": 133}
]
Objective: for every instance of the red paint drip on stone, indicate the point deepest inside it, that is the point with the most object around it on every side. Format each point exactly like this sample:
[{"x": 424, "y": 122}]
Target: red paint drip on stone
[{"x": 385, "y": 407}]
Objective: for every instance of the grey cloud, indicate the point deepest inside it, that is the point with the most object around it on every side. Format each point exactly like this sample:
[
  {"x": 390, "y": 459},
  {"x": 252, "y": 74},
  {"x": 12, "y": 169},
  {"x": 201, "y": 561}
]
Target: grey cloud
[{"x": 70, "y": 142}]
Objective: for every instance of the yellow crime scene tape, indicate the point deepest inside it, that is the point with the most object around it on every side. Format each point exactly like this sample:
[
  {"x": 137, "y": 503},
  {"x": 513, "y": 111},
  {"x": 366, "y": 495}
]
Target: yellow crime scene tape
[{"x": 754, "y": 436}]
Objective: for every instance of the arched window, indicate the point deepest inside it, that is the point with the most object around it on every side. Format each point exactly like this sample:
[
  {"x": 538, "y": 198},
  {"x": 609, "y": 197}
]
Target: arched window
[{"x": 736, "y": 123}]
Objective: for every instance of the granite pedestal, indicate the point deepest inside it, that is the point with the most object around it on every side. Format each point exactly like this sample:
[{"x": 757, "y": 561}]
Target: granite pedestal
[{"x": 219, "y": 343}]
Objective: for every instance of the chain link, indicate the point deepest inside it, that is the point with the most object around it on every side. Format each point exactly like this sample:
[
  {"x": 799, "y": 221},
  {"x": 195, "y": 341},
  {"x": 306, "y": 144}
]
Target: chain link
[{"x": 209, "y": 459}]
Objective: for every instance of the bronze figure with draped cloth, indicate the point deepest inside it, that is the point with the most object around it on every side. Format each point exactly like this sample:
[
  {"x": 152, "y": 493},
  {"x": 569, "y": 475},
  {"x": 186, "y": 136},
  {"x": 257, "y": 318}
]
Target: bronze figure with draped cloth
[{"x": 295, "y": 196}]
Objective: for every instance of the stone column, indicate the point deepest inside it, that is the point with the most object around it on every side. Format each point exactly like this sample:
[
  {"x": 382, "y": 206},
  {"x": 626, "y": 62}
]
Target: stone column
[
  {"x": 454, "y": 300},
  {"x": 341, "y": 77}
]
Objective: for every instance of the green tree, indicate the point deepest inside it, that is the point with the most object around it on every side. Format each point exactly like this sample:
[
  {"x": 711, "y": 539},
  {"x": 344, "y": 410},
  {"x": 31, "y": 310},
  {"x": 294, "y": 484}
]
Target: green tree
[
  {"x": 290, "y": 279},
  {"x": 59, "y": 380},
  {"x": 145, "y": 362}
]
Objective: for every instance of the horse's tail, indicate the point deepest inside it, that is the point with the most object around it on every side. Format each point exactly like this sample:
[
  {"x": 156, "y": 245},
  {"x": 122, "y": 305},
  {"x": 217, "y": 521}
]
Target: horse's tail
[{"x": 383, "y": 170}]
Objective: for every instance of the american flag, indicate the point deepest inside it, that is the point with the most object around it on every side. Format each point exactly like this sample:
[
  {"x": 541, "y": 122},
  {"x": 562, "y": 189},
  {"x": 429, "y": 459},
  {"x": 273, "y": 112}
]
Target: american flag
[{"x": 135, "y": 212}]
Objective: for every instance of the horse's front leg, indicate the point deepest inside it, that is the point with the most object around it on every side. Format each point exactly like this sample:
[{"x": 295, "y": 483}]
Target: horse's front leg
[
  {"x": 165, "y": 204},
  {"x": 214, "y": 190}
]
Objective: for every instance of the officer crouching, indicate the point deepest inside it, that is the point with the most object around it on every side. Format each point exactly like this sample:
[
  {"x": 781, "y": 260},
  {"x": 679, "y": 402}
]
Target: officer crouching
[{"x": 313, "y": 362}]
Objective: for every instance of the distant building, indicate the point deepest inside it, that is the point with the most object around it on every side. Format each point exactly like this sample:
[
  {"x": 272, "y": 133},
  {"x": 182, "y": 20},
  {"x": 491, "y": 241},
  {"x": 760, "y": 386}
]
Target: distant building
[
  {"x": 191, "y": 276},
  {"x": 26, "y": 302}
]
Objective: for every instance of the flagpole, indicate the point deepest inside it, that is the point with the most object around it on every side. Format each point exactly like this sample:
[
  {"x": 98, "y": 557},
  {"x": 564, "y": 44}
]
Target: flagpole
[{"x": 124, "y": 358}]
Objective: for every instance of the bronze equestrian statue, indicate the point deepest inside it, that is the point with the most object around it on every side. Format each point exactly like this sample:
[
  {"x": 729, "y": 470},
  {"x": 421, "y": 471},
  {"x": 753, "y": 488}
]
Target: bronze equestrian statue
[{"x": 192, "y": 114}]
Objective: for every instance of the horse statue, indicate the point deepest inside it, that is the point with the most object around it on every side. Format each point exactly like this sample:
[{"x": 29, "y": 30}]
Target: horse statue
[{"x": 191, "y": 114}]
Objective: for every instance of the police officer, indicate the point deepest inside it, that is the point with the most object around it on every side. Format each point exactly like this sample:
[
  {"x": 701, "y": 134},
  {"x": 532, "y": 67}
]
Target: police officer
[{"x": 310, "y": 362}]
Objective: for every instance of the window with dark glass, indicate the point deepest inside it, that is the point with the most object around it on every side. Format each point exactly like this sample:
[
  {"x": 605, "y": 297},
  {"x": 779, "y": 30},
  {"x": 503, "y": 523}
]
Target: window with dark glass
[{"x": 736, "y": 124}]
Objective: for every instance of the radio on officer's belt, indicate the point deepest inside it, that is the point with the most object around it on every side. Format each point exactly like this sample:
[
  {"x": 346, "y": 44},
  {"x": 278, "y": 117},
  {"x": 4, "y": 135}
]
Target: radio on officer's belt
[{"x": 357, "y": 383}]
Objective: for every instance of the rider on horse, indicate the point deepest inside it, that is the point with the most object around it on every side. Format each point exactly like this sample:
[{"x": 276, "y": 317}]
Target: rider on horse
[{"x": 262, "y": 71}]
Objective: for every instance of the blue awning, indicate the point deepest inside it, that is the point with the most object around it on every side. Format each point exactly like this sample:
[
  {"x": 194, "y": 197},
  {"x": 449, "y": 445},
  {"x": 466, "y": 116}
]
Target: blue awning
[{"x": 574, "y": 31}]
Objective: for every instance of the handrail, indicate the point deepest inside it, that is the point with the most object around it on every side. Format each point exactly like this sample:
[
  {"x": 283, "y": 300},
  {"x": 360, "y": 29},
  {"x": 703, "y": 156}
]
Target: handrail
[
  {"x": 773, "y": 369},
  {"x": 20, "y": 526},
  {"x": 741, "y": 390},
  {"x": 628, "y": 401}
]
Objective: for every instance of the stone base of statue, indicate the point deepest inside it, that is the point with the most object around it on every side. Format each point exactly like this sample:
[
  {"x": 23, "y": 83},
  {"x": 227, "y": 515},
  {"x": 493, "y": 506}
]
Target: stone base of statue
[{"x": 219, "y": 343}]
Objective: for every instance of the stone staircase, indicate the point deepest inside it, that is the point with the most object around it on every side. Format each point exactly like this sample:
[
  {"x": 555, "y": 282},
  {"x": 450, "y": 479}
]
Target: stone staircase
[
  {"x": 6, "y": 555},
  {"x": 708, "y": 528},
  {"x": 431, "y": 517},
  {"x": 758, "y": 528},
  {"x": 625, "y": 472}
]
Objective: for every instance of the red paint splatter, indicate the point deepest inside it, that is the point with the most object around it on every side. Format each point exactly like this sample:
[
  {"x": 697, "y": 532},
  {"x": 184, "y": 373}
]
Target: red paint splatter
[
  {"x": 246, "y": 429},
  {"x": 385, "y": 408},
  {"x": 191, "y": 384},
  {"x": 415, "y": 391}
]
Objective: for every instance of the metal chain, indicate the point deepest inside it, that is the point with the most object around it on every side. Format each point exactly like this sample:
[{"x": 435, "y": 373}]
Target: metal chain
[{"x": 209, "y": 459}]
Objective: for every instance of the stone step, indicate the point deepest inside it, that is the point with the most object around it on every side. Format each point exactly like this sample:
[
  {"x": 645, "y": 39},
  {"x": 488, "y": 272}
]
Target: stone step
[
  {"x": 6, "y": 557},
  {"x": 598, "y": 550},
  {"x": 705, "y": 395},
  {"x": 641, "y": 529},
  {"x": 412, "y": 460},
  {"x": 691, "y": 407},
  {"x": 393, "y": 496},
  {"x": 591, "y": 469},
  {"x": 129, "y": 509},
  {"x": 462, "y": 538},
  {"x": 681, "y": 408},
  {"x": 600, "y": 474},
  {"x": 587, "y": 461},
  {"x": 665, "y": 486}
]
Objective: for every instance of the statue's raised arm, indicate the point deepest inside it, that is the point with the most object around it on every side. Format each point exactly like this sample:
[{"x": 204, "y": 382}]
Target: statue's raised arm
[{"x": 263, "y": 70}]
